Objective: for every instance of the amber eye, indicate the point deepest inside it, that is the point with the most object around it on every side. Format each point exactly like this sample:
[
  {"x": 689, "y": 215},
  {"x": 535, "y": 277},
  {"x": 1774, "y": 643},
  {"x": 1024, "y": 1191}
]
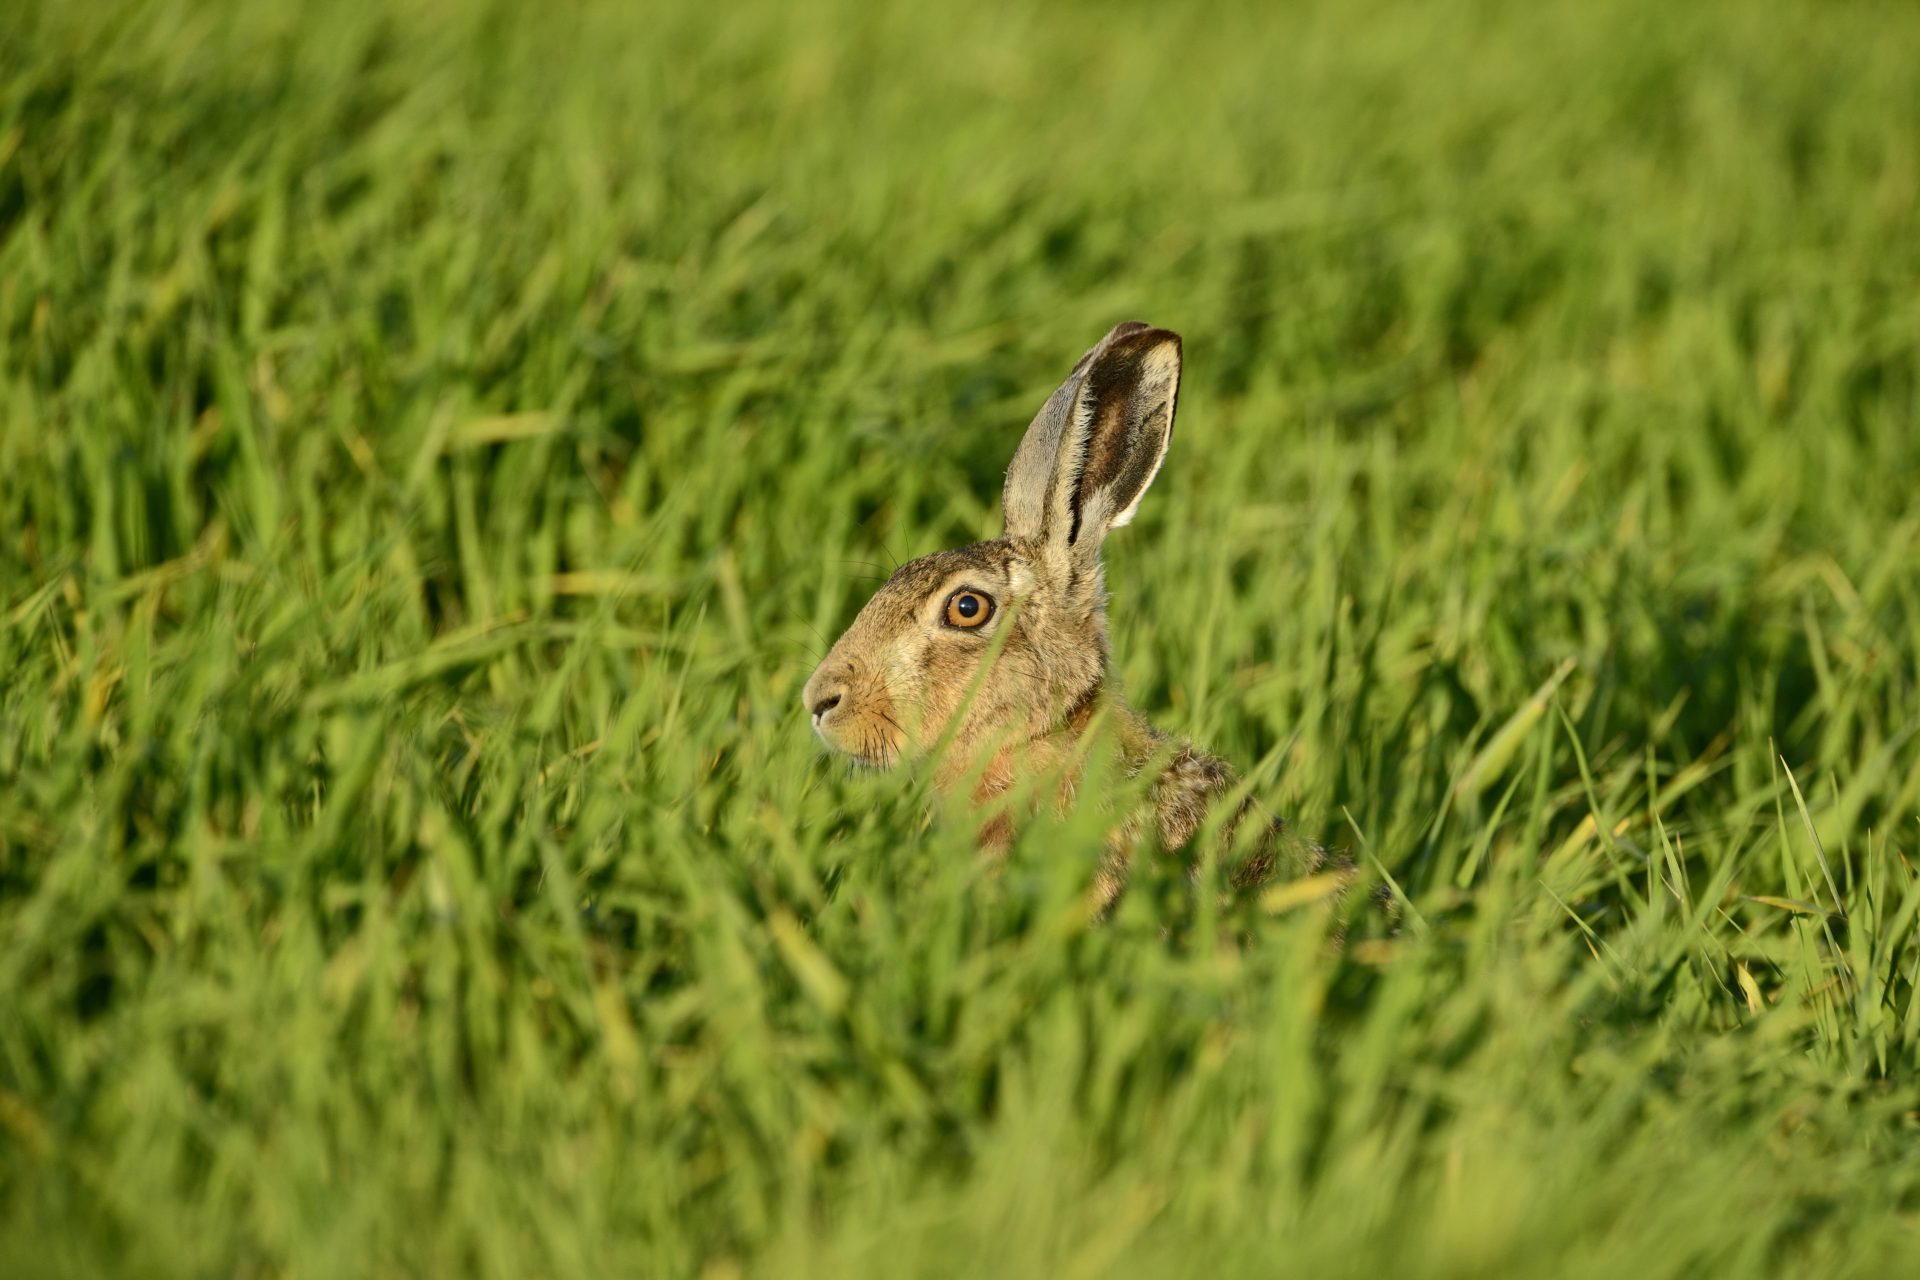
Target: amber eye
[{"x": 967, "y": 608}]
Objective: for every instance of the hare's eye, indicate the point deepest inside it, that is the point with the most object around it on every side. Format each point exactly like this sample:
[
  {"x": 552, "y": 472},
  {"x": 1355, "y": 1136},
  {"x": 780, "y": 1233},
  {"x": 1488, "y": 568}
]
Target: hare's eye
[{"x": 967, "y": 608}]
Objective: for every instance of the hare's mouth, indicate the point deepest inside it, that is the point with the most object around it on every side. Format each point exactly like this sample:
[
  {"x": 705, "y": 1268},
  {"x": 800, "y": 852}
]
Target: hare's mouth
[
  {"x": 870, "y": 740},
  {"x": 878, "y": 756}
]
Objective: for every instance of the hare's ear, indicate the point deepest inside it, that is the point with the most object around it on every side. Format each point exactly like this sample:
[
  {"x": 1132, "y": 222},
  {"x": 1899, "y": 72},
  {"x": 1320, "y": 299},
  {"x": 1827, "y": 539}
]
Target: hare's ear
[{"x": 1096, "y": 444}]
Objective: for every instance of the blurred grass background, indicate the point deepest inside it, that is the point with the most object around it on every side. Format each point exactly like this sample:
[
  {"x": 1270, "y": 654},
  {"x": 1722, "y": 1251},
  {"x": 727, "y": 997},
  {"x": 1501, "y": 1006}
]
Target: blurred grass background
[{"x": 437, "y": 439}]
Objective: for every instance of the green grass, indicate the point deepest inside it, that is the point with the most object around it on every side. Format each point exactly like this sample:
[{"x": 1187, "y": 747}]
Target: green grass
[{"x": 437, "y": 440}]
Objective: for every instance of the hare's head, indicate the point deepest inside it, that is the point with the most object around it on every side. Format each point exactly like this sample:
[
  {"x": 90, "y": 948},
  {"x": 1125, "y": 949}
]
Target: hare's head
[{"x": 1030, "y": 606}]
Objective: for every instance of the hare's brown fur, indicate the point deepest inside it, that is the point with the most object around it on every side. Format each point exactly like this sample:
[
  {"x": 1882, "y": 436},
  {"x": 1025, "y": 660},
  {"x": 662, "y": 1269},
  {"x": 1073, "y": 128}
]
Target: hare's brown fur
[{"x": 907, "y": 675}]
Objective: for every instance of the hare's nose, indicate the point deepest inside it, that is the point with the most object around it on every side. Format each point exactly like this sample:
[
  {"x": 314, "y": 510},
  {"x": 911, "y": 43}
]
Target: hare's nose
[{"x": 825, "y": 690}]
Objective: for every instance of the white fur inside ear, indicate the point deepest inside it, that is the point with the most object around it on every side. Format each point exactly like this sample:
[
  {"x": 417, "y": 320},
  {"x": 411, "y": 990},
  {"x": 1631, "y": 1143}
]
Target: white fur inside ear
[{"x": 1093, "y": 515}]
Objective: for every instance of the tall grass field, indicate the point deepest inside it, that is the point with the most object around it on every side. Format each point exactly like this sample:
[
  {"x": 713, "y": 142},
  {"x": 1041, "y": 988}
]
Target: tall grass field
[{"x": 438, "y": 440}]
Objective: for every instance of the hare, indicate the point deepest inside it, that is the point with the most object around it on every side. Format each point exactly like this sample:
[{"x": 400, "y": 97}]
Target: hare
[{"x": 1031, "y": 605}]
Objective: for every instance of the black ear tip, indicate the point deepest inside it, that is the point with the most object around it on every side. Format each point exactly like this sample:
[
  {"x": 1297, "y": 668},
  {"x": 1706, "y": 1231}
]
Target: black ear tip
[
  {"x": 1138, "y": 339},
  {"x": 1136, "y": 329}
]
